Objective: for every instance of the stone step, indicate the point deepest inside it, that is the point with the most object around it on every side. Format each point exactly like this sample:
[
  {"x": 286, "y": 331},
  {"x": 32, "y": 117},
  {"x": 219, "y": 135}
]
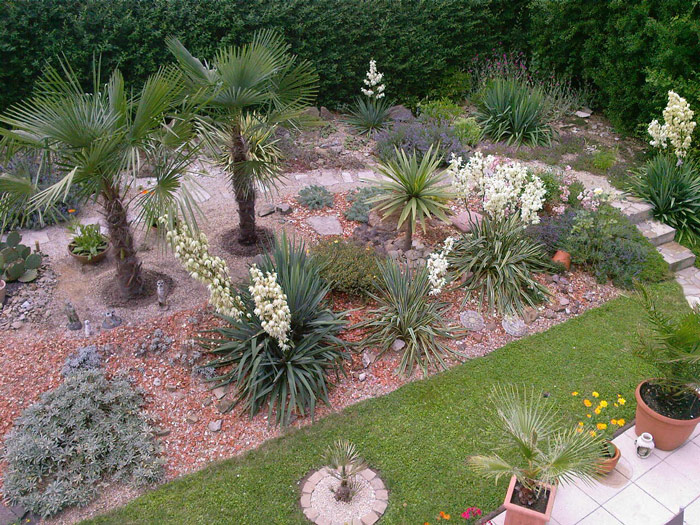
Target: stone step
[
  {"x": 636, "y": 211},
  {"x": 658, "y": 233},
  {"x": 678, "y": 257},
  {"x": 689, "y": 279}
]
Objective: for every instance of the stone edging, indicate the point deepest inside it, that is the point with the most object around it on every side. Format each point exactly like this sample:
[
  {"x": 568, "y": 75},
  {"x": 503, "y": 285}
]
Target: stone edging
[{"x": 379, "y": 505}]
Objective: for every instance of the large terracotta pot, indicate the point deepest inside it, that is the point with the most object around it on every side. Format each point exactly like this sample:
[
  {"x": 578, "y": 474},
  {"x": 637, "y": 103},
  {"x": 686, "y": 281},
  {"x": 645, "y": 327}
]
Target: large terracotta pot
[
  {"x": 84, "y": 259},
  {"x": 607, "y": 465},
  {"x": 668, "y": 433},
  {"x": 519, "y": 515}
]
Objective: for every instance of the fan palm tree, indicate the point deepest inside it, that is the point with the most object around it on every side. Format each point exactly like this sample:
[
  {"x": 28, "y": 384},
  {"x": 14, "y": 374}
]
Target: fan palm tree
[
  {"x": 98, "y": 141},
  {"x": 249, "y": 90},
  {"x": 412, "y": 191},
  {"x": 546, "y": 452}
]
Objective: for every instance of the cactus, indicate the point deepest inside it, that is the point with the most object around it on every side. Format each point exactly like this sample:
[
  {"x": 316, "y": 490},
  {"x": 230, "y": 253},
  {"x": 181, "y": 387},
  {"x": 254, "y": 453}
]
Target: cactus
[{"x": 17, "y": 262}]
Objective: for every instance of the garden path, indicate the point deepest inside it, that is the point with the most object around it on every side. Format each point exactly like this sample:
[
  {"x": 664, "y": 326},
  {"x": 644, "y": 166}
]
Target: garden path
[{"x": 647, "y": 491}]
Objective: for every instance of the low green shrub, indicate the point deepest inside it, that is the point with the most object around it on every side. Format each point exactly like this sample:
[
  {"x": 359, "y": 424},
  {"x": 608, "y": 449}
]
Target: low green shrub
[
  {"x": 552, "y": 182},
  {"x": 285, "y": 380},
  {"x": 513, "y": 112},
  {"x": 64, "y": 447},
  {"x": 673, "y": 191},
  {"x": 441, "y": 109},
  {"x": 575, "y": 189},
  {"x": 405, "y": 312},
  {"x": 315, "y": 197},
  {"x": 361, "y": 206},
  {"x": 497, "y": 261},
  {"x": 468, "y": 131},
  {"x": 603, "y": 160},
  {"x": 347, "y": 266}
]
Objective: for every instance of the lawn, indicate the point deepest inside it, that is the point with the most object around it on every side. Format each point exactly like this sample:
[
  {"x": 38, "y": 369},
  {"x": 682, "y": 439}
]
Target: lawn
[{"x": 418, "y": 436}]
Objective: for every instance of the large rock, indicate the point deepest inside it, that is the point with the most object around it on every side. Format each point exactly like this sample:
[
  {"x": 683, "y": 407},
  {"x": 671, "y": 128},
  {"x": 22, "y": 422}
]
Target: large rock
[
  {"x": 400, "y": 113},
  {"x": 325, "y": 225},
  {"x": 466, "y": 220}
]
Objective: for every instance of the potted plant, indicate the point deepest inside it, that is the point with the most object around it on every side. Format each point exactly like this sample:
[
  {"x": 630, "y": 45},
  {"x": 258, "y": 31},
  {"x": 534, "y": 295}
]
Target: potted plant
[
  {"x": 599, "y": 423},
  {"x": 668, "y": 406},
  {"x": 87, "y": 244},
  {"x": 547, "y": 454}
]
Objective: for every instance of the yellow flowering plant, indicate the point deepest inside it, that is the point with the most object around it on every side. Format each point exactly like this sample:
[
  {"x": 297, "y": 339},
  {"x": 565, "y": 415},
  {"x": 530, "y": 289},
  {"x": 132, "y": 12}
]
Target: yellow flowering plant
[{"x": 599, "y": 419}]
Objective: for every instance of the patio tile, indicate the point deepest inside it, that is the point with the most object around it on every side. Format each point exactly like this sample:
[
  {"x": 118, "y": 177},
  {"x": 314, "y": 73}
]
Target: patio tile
[
  {"x": 633, "y": 506},
  {"x": 669, "y": 487},
  {"x": 499, "y": 520},
  {"x": 687, "y": 460},
  {"x": 692, "y": 513},
  {"x": 605, "y": 488},
  {"x": 571, "y": 505},
  {"x": 631, "y": 465},
  {"x": 600, "y": 516}
]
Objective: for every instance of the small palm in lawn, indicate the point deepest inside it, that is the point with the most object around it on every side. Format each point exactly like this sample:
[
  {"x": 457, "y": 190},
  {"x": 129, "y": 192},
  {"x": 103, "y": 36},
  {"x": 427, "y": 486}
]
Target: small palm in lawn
[
  {"x": 249, "y": 91},
  {"x": 412, "y": 190},
  {"x": 539, "y": 448},
  {"x": 97, "y": 141}
]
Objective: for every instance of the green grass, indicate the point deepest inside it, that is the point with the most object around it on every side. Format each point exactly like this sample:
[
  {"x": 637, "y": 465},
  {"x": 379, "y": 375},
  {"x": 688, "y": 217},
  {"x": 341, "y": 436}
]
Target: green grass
[{"x": 419, "y": 435}]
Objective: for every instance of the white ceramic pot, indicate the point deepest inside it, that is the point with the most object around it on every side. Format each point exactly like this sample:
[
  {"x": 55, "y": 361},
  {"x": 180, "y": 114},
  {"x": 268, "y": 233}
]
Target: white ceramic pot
[{"x": 644, "y": 444}]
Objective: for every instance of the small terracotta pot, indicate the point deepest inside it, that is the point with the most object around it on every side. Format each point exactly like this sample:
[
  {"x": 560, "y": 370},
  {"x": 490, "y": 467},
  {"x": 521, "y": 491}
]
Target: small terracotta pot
[
  {"x": 607, "y": 465},
  {"x": 564, "y": 258},
  {"x": 84, "y": 258},
  {"x": 2, "y": 291},
  {"x": 519, "y": 515},
  {"x": 668, "y": 433}
]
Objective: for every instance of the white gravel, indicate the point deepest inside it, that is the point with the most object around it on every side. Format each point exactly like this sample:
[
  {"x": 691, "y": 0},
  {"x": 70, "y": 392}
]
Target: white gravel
[{"x": 337, "y": 512}]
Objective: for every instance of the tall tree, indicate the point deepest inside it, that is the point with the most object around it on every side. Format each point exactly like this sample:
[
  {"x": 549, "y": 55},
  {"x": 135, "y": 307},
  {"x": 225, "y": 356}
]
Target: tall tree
[
  {"x": 99, "y": 140},
  {"x": 249, "y": 90}
]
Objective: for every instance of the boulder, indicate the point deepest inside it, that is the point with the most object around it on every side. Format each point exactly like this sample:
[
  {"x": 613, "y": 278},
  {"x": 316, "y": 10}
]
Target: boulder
[
  {"x": 325, "y": 225},
  {"x": 466, "y": 220},
  {"x": 400, "y": 113}
]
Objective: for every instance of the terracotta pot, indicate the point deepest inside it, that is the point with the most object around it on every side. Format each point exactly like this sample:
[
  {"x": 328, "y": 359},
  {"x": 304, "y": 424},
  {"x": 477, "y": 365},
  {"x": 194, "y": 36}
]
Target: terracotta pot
[
  {"x": 84, "y": 258},
  {"x": 607, "y": 465},
  {"x": 564, "y": 258},
  {"x": 519, "y": 515},
  {"x": 2, "y": 291},
  {"x": 668, "y": 433}
]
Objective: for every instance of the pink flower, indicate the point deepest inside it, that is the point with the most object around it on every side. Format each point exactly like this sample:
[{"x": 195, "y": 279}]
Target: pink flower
[{"x": 471, "y": 512}]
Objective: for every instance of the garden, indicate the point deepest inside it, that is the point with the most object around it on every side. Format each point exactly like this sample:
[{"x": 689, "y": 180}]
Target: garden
[{"x": 223, "y": 302}]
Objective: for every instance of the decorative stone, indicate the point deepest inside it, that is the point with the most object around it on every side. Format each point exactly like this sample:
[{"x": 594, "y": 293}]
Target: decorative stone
[
  {"x": 530, "y": 315},
  {"x": 400, "y": 113},
  {"x": 472, "y": 320},
  {"x": 219, "y": 392},
  {"x": 192, "y": 418},
  {"x": 584, "y": 113},
  {"x": 466, "y": 220},
  {"x": 266, "y": 209},
  {"x": 362, "y": 377},
  {"x": 214, "y": 426},
  {"x": 370, "y": 519},
  {"x": 284, "y": 208},
  {"x": 514, "y": 326},
  {"x": 368, "y": 358},
  {"x": 325, "y": 225},
  {"x": 398, "y": 344}
]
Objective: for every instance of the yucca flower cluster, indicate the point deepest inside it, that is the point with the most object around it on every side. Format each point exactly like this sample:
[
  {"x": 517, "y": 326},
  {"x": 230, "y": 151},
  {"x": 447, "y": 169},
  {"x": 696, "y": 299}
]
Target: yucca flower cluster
[
  {"x": 374, "y": 89},
  {"x": 270, "y": 305},
  {"x": 437, "y": 267},
  {"x": 677, "y": 128},
  {"x": 592, "y": 199},
  {"x": 193, "y": 251},
  {"x": 506, "y": 188}
]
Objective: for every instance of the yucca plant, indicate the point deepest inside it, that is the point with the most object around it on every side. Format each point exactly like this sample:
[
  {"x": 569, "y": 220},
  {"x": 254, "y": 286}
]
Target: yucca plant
[
  {"x": 346, "y": 463},
  {"x": 496, "y": 261},
  {"x": 537, "y": 447},
  {"x": 673, "y": 191},
  {"x": 368, "y": 115},
  {"x": 512, "y": 111},
  {"x": 412, "y": 190},
  {"x": 290, "y": 379},
  {"x": 405, "y": 312}
]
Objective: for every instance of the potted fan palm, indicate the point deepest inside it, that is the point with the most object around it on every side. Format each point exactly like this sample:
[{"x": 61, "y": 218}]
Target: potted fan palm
[
  {"x": 547, "y": 454},
  {"x": 668, "y": 406}
]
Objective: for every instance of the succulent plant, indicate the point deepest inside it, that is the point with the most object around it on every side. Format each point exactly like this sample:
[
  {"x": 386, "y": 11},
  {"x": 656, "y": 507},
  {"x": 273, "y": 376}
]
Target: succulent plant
[
  {"x": 315, "y": 197},
  {"x": 17, "y": 263}
]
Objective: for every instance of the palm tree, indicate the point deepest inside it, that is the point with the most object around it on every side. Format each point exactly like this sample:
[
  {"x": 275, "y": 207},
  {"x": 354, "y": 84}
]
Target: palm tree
[
  {"x": 249, "y": 91},
  {"x": 412, "y": 191},
  {"x": 546, "y": 452},
  {"x": 98, "y": 141}
]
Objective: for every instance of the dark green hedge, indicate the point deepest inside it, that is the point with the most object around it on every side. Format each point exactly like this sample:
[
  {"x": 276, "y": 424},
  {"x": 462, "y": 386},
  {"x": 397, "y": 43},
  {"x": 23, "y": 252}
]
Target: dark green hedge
[{"x": 416, "y": 43}]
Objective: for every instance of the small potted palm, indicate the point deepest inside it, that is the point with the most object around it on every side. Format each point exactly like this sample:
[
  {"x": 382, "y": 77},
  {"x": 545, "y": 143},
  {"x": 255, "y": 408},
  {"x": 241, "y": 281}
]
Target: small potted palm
[
  {"x": 88, "y": 245},
  {"x": 541, "y": 454},
  {"x": 668, "y": 406}
]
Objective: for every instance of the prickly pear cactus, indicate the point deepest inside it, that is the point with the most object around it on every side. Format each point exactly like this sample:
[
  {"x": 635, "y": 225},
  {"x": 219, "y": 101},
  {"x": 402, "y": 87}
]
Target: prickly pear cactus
[{"x": 17, "y": 262}]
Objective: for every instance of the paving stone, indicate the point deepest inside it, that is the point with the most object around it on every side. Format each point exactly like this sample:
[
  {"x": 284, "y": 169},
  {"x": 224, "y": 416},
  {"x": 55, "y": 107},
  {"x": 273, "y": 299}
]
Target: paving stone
[
  {"x": 636, "y": 212},
  {"x": 200, "y": 195},
  {"x": 326, "y": 178},
  {"x": 381, "y": 494},
  {"x": 658, "y": 233},
  {"x": 379, "y": 506},
  {"x": 370, "y": 519},
  {"x": 308, "y": 487},
  {"x": 377, "y": 483},
  {"x": 678, "y": 257},
  {"x": 311, "y": 513},
  {"x": 368, "y": 474},
  {"x": 306, "y": 500},
  {"x": 325, "y": 225}
]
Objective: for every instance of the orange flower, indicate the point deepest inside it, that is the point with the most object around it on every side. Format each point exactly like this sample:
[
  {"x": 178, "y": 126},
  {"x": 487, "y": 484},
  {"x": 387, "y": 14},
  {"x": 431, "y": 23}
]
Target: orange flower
[
  {"x": 601, "y": 426},
  {"x": 597, "y": 410},
  {"x": 444, "y": 515},
  {"x": 574, "y": 393},
  {"x": 72, "y": 210},
  {"x": 587, "y": 402},
  {"x": 588, "y": 415},
  {"x": 613, "y": 421}
]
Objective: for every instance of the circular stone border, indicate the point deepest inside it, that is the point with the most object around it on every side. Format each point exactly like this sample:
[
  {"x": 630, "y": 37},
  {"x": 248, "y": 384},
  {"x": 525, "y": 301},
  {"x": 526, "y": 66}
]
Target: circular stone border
[{"x": 379, "y": 505}]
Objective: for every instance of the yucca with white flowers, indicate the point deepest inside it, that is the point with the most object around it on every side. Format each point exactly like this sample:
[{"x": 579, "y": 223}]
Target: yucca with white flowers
[
  {"x": 677, "y": 129},
  {"x": 373, "y": 81}
]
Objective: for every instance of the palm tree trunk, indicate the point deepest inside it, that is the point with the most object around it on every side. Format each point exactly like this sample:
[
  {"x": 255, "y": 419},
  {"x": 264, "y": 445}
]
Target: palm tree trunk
[
  {"x": 245, "y": 191},
  {"x": 408, "y": 239},
  {"x": 129, "y": 274}
]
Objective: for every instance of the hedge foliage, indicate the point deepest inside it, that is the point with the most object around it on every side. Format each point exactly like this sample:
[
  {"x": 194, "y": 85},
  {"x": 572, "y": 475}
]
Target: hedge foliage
[{"x": 632, "y": 52}]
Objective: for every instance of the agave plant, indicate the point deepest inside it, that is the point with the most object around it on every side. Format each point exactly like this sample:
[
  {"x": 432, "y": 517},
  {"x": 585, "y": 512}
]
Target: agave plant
[
  {"x": 404, "y": 312},
  {"x": 674, "y": 192},
  {"x": 285, "y": 379},
  {"x": 497, "y": 260},
  {"x": 546, "y": 451},
  {"x": 346, "y": 463},
  {"x": 248, "y": 91},
  {"x": 514, "y": 112},
  {"x": 369, "y": 115},
  {"x": 412, "y": 190}
]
